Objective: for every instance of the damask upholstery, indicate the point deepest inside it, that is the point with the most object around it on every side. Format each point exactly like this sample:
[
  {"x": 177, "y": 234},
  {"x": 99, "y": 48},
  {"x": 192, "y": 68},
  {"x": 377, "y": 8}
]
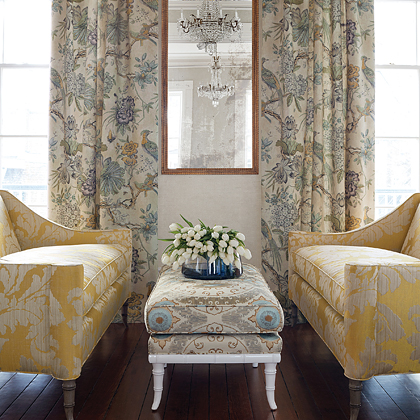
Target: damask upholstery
[
  {"x": 8, "y": 240},
  {"x": 411, "y": 245},
  {"x": 59, "y": 290},
  {"x": 360, "y": 292}
]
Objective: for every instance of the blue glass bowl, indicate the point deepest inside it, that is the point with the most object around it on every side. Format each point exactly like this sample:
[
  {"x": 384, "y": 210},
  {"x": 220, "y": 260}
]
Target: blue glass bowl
[{"x": 201, "y": 269}]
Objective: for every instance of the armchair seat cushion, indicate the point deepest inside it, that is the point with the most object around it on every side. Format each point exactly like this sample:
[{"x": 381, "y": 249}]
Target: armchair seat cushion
[
  {"x": 322, "y": 266},
  {"x": 103, "y": 264}
]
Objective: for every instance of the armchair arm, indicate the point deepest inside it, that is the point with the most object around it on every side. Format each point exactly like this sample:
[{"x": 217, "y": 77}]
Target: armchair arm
[
  {"x": 33, "y": 231},
  {"x": 381, "y": 319},
  {"x": 388, "y": 232},
  {"x": 41, "y": 319}
]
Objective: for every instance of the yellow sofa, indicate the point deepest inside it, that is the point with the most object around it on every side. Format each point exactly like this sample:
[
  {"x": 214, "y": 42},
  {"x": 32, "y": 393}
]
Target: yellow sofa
[
  {"x": 59, "y": 291},
  {"x": 360, "y": 291}
]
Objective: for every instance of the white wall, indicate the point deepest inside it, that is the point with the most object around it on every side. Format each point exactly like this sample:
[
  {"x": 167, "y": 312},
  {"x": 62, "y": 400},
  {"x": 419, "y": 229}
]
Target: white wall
[{"x": 231, "y": 200}]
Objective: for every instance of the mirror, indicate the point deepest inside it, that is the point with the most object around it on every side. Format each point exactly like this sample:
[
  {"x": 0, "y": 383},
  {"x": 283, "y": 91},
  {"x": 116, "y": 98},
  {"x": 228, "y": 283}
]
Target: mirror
[{"x": 202, "y": 133}]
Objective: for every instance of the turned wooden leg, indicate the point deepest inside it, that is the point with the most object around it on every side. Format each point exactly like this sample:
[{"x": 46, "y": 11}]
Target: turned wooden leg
[
  {"x": 158, "y": 372},
  {"x": 69, "y": 391},
  {"x": 270, "y": 384},
  {"x": 124, "y": 310},
  {"x": 294, "y": 314},
  {"x": 355, "y": 397}
]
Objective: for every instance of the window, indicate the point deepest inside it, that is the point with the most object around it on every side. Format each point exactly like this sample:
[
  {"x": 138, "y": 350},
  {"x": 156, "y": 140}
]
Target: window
[
  {"x": 243, "y": 125},
  {"x": 397, "y": 56},
  {"x": 179, "y": 122},
  {"x": 24, "y": 88}
]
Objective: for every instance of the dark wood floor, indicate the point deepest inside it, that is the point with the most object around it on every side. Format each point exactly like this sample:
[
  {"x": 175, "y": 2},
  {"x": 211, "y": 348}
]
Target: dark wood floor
[{"x": 116, "y": 384}]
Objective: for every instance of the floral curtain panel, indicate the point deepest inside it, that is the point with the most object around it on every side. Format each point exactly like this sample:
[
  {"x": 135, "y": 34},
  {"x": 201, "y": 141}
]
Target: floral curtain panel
[
  {"x": 103, "y": 125},
  {"x": 317, "y": 123}
]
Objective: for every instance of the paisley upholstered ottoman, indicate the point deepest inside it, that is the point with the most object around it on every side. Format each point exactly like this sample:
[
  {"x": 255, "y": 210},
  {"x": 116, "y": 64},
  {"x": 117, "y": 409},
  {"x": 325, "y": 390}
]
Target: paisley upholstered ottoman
[{"x": 213, "y": 321}]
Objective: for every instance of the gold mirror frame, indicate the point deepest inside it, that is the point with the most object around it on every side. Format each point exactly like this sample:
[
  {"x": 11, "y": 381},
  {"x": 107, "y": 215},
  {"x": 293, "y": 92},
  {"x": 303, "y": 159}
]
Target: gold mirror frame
[{"x": 164, "y": 103}]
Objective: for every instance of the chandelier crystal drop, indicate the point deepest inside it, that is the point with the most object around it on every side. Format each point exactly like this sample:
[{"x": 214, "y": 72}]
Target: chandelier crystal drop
[
  {"x": 210, "y": 26},
  {"x": 215, "y": 90}
]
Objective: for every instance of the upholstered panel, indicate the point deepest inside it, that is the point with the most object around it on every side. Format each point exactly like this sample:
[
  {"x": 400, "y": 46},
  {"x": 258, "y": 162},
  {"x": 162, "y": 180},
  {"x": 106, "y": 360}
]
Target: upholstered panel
[
  {"x": 41, "y": 313},
  {"x": 381, "y": 319},
  {"x": 214, "y": 343},
  {"x": 8, "y": 240},
  {"x": 33, "y": 231},
  {"x": 44, "y": 331},
  {"x": 411, "y": 244},
  {"x": 388, "y": 232},
  {"x": 102, "y": 264},
  {"x": 244, "y": 305},
  {"x": 323, "y": 267},
  {"x": 327, "y": 322},
  {"x": 97, "y": 320}
]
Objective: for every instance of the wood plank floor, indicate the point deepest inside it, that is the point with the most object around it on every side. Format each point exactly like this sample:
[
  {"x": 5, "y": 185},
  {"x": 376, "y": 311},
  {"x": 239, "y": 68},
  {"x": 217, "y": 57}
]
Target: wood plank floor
[{"x": 116, "y": 383}]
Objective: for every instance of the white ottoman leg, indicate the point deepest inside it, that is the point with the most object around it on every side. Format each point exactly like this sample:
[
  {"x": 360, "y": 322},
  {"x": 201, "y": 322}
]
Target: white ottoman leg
[
  {"x": 270, "y": 383},
  {"x": 255, "y": 365},
  {"x": 158, "y": 372}
]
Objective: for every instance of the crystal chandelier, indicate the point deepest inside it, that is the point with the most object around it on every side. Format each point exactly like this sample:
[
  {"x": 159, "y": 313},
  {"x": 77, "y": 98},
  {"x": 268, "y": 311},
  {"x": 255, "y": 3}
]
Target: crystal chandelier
[
  {"x": 210, "y": 26},
  {"x": 215, "y": 90}
]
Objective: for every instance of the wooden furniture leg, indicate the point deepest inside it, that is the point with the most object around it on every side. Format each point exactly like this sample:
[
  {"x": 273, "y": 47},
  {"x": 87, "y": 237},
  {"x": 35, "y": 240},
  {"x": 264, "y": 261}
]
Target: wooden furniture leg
[
  {"x": 355, "y": 397},
  {"x": 270, "y": 384},
  {"x": 158, "y": 372},
  {"x": 294, "y": 314},
  {"x": 124, "y": 310},
  {"x": 69, "y": 391}
]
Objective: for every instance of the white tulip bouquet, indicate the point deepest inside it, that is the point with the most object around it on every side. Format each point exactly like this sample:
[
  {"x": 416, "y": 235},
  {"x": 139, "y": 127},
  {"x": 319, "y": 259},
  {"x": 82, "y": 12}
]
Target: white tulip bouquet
[{"x": 201, "y": 240}]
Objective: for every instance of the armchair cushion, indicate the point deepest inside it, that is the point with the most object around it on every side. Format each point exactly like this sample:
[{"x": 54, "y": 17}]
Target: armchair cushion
[
  {"x": 411, "y": 244},
  {"x": 8, "y": 240},
  {"x": 323, "y": 267},
  {"x": 103, "y": 264}
]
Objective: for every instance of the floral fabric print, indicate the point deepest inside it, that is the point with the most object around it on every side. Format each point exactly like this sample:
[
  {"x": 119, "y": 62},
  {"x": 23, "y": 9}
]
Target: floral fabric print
[
  {"x": 235, "y": 306},
  {"x": 215, "y": 343},
  {"x": 317, "y": 105},
  {"x": 103, "y": 125}
]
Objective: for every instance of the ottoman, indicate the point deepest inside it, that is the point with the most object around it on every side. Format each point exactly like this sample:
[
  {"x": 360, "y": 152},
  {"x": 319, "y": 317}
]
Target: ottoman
[{"x": 213, "y": 321}]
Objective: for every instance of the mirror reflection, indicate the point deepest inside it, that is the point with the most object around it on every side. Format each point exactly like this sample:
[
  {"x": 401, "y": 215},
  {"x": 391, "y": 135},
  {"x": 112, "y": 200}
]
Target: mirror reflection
[{"x": 209, "y": 87}]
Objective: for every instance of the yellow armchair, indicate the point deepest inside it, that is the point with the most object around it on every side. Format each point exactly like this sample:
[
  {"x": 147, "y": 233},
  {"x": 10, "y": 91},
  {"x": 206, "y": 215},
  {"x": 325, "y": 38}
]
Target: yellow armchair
[
  {"x": 360, "y": 291},
  {"x": 59, "y": 290}
]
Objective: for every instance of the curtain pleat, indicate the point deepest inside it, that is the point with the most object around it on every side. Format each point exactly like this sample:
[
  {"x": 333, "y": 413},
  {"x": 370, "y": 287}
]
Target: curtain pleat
[
  {"x": 103, "y": 158},
  {"x": 317, "y": 125}
]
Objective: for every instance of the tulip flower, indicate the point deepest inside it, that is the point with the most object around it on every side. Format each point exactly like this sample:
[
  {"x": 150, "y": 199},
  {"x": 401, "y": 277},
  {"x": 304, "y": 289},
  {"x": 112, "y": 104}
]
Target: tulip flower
[
  {"x": 233, "y": 243},
  {"x": 223, "y": 244},
  {"x": 247, "y": 254},
  {"x": 173, "y": 227},
  {"x": 240, "y": 250}
]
